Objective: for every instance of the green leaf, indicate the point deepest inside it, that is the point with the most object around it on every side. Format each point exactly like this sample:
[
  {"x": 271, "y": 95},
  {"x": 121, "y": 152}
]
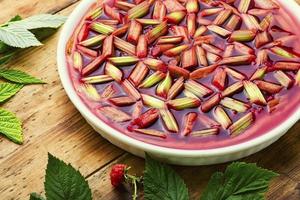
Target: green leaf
[
  {"x": 63, "y": 182},
  {"x": 18, "y": 37},
  {"x": 162, "y": 183},
  {"x": 241, "y": 181},
  {"x": 35, "y": 196},
  {"x": 40, "y": 21},
  {"x": 43, "y": 33},
  {"x": 7, "y": 90},
  {"x": 19, "y": 77},
  {"x": 5, "y": 58},
  {"x": 11, "y": 126},
  {"x": 15, "y": 18}
]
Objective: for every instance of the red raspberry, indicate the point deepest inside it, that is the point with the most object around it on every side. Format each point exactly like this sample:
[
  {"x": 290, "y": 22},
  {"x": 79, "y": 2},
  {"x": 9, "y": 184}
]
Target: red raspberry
[{"x": 117, "y": 174}]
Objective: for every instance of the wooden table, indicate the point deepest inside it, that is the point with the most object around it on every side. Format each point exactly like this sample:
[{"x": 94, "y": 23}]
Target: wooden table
[{"x": 52, "y": 124}]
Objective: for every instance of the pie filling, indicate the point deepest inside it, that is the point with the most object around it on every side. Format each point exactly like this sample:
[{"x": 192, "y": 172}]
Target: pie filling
[{"x": 187, "y": 74}]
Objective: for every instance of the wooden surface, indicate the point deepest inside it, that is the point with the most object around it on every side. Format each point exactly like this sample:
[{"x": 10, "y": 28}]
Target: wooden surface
[{"x": 52, "y": 124}]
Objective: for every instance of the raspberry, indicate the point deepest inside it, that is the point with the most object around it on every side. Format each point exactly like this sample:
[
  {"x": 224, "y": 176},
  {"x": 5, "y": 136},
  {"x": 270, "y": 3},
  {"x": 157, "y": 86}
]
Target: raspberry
[{"x": 117, "y": 174}]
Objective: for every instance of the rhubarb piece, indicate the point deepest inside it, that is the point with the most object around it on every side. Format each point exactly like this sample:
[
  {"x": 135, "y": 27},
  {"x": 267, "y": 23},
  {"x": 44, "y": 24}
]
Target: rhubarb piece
[
  {"x": 139, "y": 73},
  {"x": 184, "y": 103},
  {"x": 108, "y": 92},
  {"x": 110, "y": 22},
  {"x": 259, "y": 73},
  {"x": 175, "y": 17},
  {"x": 176, "y": 50},
  {"x": 122, "y": 101},
  {"x": 142, "y": 46},
  {"x": 233, "y": 23},
  {"x": 124, "y": 46},
  {"x": 212, "y": 49},
  {"x": 151, "y": 132},
  {"x": 201, "y": 56},
  {"x": 204, "y": 39},
  {"x": 243, "y": 49},
  {"x": 152, "y": 80},
  {"x": 254, "y": 94},
  {"x": 169, "y": 120},
  {"x": 131, "y": 90},
  {"x": 164, "y": 86},
  {"x": 208, "y": 122},
  {"x": 181, "y": 30},
  {"x": 155, "y": 64},
  {"x": 235, "y": 105},
  {"x": 123, "y": 61},
  {"x": 262, "y": 39},
  {"x": 176, "y": 88},
  {"x": 262, "y": 57},
  {"x": 176, "y": 71},
  {"x": 102, "y": 28},
  {"x": 259, "y": 12},
  {"x": 90, "y": 92},
  {"x": 269, "y": 87},
  {"x": 232, "y": 89},
  {"x": 121, "y": 31},
  {"x": 152, "y": 102},
  {"x": 212, "y": 58},
  {"x": 189, "y": 94},
  {"x": 147, "y": 118},
  {"x": 204, "y": 21},
  {"x": 189, "y": 122},
  {"x": 235, "y": 74},
  {"x": 135, "y": 30},
  {"x": 188, "y": 58},
  {"x": 87, "y": 51},
  {"x": 266, "y": 22},
  {"x": 210, "y": 11},
  {"x": 244, "y": 6},
  {"x": 77, "y": 61},
  {"x": 112, "y": 13},
  {"x": 242, "y": 124},
  {"x": 238, "y": 60},
  {"x": 266, "y": 4},
  {"x": 222, "y": 17},
  {"x": 93, "y": 41},
  {"x": 83, "y": 33},
  {"x": 108, "y": 48},
  {"x": 123, "y": 5},
  {"x": 147, "y": 22},
  {"x": 197, "y": 88},
  {"x": 228, "y": 51},
  {"x": 203, "y": 72},
  {"x": 97, "y": 79},
  {"x": 170, "y": 39},
  {"x": 137, "y": 109},
  {"x": 192, "y": 6},
  {"x": 173, "y": 5},
  {"x": 243, "y": 35},
  {"x": 159, "y": 49},
  {"x": 222, "y": 117},
  {"x": 94, "y": 65},
  {"x": 284, "y": 79},
  {"x": 139, "y": 10},
  {"x": 200, "y": 31},
  {"x": 191, "y": 23},
  {"x": 159, "y": 11},
  {"x": 113, "y": 72},
  {"x": 272, "y": 105},
  {"x": 210, "y": 103},
  {"x": 205, "y": 132},
  {"x": 114, "y": 114},
  {"x": 156, "y": 32},
  {"x": 95, "y": 13},
  {"x": 250, "y": 22},
  {"x": 282, "y": 52},
  {"x": 219, "y": 30},
  {"x": 220, "y": 79},
  {"x": 297, "y": 78}
]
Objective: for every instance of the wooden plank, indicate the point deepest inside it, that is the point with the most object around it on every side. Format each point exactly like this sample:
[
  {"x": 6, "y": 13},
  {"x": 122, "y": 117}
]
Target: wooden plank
[{"x": 26, "y": 8}]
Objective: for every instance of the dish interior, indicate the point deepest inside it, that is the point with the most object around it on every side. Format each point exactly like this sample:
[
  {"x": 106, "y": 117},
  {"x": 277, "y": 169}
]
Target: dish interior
[{"x": 194, "y": 75}]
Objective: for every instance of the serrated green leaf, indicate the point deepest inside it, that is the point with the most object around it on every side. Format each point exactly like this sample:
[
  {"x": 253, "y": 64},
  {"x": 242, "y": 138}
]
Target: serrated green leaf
[
  {"x": 35, "y": 196},
  {"x": 241, "y": 181},
  {"x": 162, "y": 183},
  {"x": 5, "y": 58},
  {"x": 11, "y": 126},
  {"x": 18, "y": 37},
  {"x": 19, "y": 77},
  {"x": 40, "y": 21},
  {"x": 7, "y": 90},
  {"x": 63, "y": 182}
]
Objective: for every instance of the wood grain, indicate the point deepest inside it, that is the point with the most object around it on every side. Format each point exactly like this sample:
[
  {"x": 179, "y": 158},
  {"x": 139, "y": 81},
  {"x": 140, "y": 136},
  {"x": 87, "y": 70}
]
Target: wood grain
[{"x": 52, "y": 124}]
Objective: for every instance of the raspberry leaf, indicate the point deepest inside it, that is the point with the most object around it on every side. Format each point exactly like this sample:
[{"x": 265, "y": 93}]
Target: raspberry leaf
[
  {"x": 7, "y": 90},
  {"x": 19, "y": 77},
  {"x": 35, "y": 196},
  {"x": 63, "y": 182},
  {"x": 162, "y": 183},
  {"x": 10, "y": 126},
  {"x": 240, "y": 181}
]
